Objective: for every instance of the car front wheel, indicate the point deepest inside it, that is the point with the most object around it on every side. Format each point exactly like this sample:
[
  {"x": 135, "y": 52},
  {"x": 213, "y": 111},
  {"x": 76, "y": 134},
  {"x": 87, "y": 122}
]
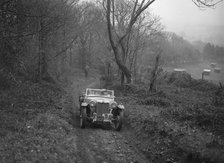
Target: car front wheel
[
  {"x": 118, "y": 121},
  {"x": 82, "y": 118}
]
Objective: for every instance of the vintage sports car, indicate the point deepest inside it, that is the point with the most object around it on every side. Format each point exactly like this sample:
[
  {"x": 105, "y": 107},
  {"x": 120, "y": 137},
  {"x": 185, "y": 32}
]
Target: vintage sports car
[{"x": 98, "y": 106}]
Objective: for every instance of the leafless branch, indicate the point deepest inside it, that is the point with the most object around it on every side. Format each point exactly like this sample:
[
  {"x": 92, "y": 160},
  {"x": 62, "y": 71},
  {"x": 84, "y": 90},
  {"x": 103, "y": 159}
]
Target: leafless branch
[{"x": 206, "y": 3}]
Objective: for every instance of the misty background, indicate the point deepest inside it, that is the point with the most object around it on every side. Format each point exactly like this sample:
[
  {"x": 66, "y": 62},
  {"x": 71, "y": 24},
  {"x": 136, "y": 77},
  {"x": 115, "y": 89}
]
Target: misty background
[{"x": 192, "y": 23}]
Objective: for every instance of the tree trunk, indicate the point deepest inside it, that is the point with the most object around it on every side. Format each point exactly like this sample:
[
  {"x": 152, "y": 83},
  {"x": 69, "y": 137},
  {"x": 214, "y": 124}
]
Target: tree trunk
[
  {"x": 154, "y": 74},
  {"x": 39, "y": 50},
  {"x": 70, "y": 57},
  {"x": 42, "y": 64},
  {"x": 122, "y": 78},
  {"x": 125, "y": 71},
  {"x": 119, "y": 62},
  {"x": 135, "y": 68},
  {"x": 42, "y": 55}
]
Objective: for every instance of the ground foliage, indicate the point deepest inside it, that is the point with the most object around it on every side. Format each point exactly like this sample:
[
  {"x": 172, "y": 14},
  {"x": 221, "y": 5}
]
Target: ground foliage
[
  {"x": 34, "y": 124},
  {"x": 182, "y": 121},
  {"x": 7, "y": 79}
]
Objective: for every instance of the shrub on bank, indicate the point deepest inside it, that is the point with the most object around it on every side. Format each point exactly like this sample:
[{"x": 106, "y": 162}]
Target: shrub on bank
[{"x": 183, "y": 121}]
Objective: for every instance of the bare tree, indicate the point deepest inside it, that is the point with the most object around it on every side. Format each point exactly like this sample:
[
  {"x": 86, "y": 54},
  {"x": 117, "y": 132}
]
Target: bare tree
[
  {"x": 147, "y": 30},
  {"x": 154, "y": 73},
  {"x": 119, "y": 41}
]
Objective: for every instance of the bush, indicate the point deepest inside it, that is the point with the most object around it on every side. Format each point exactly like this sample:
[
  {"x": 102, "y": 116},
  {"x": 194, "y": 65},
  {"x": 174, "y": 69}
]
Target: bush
[
  {"x": 202, "y": 85},
  {"x": 157, "y": 101},
  {"x": 183, "y": 79},
  {"x": 218, "y": 99}
]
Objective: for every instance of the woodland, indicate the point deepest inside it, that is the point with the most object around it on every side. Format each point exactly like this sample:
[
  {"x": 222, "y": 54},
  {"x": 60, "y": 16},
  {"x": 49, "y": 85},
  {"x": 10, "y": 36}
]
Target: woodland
[
  {"x": 48, "y": 39},
  {"x": 48, "y": 46}
]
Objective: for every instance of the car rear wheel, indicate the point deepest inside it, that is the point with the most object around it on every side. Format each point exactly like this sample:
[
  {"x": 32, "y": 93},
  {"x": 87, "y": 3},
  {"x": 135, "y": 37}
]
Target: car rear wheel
[{"x": 82, "y": 120}]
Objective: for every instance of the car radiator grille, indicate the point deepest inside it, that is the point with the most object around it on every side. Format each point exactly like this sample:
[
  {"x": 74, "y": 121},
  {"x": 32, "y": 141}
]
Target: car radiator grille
[{"x": 102, "y": 108}]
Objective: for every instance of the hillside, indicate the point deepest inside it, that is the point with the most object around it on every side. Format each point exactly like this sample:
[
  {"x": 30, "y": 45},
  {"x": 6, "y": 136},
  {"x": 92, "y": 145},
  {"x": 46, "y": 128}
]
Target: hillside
[{"x": 181, "y": 122}]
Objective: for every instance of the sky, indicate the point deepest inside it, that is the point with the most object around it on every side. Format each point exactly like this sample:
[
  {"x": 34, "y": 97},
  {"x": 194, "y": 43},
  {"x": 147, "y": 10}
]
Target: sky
[{"x": 186, "y": 19}]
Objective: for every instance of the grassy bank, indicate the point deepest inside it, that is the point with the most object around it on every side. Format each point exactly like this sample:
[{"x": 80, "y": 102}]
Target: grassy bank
[
  {"x": 181, "y": 122},
  {"x": 34, "y": 124}
]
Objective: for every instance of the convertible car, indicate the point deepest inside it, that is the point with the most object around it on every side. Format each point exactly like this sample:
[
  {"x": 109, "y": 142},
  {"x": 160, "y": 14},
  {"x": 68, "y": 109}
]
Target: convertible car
[{"x": 98, "y": 106}]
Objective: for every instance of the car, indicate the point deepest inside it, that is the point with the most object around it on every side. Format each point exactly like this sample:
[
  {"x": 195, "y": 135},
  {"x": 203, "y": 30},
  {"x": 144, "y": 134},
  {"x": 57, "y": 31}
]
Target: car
[
  {"x": 213, "y": 65},
  {"x": 217, "y": 70},
  {"x": 206, "y": 72},
  {"x": 98, "y": 106},
  {"x": 179, "y": 70}
]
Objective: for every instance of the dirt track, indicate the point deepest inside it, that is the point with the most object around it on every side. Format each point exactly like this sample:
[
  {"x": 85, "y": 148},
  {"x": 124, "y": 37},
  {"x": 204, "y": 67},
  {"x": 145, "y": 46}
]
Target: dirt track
[{"x": 96, "y": 144}]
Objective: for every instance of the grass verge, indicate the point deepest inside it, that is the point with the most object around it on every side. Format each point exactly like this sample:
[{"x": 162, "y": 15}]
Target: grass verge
[{"x": 34, "y": 125}]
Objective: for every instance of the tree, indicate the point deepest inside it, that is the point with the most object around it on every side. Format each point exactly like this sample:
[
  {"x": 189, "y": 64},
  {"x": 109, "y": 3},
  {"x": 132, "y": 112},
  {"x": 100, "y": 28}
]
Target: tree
[
  {"x": 119, "y": 39},
  {"x": 154, "y": 74},
  {"x": 145, "y": 37},
  {"x": 209, "y": 51},
  {"x": 54, "y": 17}
]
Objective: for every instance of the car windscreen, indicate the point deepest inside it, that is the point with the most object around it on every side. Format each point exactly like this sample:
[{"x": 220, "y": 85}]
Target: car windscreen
[{"x": 94, "y": 92}]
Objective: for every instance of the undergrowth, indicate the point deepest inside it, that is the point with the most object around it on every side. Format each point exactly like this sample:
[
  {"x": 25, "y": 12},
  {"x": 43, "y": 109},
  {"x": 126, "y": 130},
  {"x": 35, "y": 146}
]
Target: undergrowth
[
  {"x": 182, "y": 122},
  {"x": 34, "y": 124}
]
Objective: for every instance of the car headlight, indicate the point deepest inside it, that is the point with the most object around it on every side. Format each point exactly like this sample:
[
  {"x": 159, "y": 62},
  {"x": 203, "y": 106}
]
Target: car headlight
[
  {"x": 92, "y": 104},
  {"x": 113, "y": 105},
  {"x": 84, "y": 104}
]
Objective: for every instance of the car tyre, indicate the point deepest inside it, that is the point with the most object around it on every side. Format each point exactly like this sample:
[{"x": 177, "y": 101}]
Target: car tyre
[
  {"x": 82, "y": 118},
  {"x": 119, "y": 122}
]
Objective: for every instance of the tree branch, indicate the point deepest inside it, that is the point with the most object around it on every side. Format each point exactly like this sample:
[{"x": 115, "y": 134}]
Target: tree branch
[{"x": 206, "y": 3}]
